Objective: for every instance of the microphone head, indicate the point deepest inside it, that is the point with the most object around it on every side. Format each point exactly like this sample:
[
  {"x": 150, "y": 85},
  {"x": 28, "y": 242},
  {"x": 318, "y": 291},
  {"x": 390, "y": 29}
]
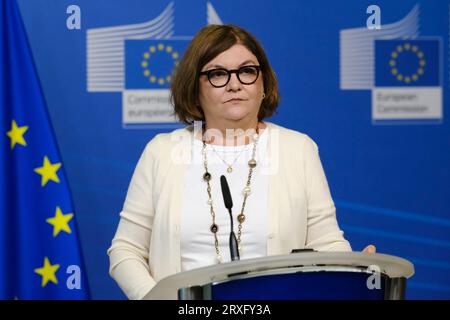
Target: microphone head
[{"x": 226, "y": 192}]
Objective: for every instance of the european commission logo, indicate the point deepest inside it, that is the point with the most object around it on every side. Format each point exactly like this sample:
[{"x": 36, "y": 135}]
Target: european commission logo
[
  {"x": 149, "y": 66},
  {"x": 138, "y": 60},
  {"x": 402, "y": 70},
  {"x": 407, "y": 80},
  {"x": 407, "y": 63}
]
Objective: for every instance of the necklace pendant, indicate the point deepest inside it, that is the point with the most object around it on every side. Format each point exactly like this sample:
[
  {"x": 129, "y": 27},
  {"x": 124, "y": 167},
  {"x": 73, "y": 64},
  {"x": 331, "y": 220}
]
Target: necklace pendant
[
  {"x": 214, "y": 228},
  {"x": 230, "y": 170},
  {"x": 252, "y": 163},
  {"x": 207, "y": 176}
]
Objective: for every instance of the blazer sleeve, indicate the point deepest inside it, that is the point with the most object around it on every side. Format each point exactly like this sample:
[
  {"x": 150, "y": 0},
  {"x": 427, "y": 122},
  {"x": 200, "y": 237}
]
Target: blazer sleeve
[
  {"x": 323, "y": 232},
  {"x": 129, "y": 251}
]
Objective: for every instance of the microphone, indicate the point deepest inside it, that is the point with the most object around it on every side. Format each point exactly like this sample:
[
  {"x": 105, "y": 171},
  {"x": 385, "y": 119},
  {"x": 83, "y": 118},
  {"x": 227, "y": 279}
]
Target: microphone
[{"x": 234, "y": 252}]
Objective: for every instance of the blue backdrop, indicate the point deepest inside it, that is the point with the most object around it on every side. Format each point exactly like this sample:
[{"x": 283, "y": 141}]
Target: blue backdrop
[{"x": 389, "y": 173}]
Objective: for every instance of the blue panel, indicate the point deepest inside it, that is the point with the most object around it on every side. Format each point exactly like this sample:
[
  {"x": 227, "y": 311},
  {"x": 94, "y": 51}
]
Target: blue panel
[{"x": 300, "y": 286}]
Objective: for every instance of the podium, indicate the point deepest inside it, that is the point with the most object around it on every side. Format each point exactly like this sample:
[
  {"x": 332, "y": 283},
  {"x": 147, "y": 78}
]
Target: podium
[{"x": 297, "y": 276}]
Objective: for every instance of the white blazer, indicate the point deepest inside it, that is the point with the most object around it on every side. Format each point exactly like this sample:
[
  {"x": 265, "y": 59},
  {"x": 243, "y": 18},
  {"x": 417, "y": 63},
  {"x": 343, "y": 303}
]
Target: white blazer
[{"x": 146, "y": 246}]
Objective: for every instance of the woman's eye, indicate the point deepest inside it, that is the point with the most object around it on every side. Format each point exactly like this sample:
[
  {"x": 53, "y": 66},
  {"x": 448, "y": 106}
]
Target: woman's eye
[
  {"x": 218, "y": 74},
  {"x": 247, "y": 70}
]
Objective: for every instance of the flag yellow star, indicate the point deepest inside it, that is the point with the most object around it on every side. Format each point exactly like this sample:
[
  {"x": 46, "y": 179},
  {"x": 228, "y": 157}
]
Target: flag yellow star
[
  {"x": 47, "y": 272},
  {"x": 48, "y": 171},
  {"x": 60, "y": 222},
  {"x": 16, "y": 134}
]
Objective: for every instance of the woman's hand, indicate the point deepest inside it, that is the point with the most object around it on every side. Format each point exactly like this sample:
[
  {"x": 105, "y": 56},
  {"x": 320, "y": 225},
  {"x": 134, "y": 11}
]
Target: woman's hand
[{"x": 370, "y": 249}]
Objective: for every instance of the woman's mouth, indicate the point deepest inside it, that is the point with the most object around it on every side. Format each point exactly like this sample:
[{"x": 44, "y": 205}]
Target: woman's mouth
[{"x": 234, "y": 100}]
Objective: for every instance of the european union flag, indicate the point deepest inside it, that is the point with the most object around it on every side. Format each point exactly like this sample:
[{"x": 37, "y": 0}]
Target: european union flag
[
  {"x": 149, "y": 64},
  {"x": 40, "y": 256},
  {"x": 406, "y": 63}
]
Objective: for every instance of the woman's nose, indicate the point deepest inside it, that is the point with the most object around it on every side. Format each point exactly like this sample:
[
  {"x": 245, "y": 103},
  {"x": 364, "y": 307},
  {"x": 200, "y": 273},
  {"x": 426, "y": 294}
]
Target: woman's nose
[{"x": 234, "y": 83}]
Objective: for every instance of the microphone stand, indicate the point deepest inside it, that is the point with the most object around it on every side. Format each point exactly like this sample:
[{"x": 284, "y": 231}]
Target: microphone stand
[{"x": 234, "y": 251}]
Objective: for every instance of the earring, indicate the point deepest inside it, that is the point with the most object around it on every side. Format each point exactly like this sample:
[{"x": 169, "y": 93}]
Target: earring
[{"x": 264, "y": 95}]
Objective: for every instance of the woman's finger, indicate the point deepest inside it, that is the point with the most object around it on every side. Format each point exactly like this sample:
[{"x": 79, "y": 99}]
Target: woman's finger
[{"x": 370, "y": 249}]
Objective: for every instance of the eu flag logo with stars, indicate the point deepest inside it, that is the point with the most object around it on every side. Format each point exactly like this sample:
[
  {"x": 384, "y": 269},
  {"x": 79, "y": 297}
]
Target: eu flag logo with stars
[
  {"x": 407, "y": 63},
  {"x": 149, "y": 64},
  {"x": 40, "y": 256}
]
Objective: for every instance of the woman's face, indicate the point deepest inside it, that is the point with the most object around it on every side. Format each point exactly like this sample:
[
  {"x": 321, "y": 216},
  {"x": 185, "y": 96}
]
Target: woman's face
[{"x": 235, "y": 101}]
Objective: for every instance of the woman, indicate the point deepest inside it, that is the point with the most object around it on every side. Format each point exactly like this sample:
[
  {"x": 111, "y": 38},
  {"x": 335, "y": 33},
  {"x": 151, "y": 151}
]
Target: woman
[{"x": 174, "y": 218}]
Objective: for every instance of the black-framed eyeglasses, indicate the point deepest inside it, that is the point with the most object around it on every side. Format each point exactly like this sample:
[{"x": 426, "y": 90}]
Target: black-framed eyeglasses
[{"x": 220, "y": 77}]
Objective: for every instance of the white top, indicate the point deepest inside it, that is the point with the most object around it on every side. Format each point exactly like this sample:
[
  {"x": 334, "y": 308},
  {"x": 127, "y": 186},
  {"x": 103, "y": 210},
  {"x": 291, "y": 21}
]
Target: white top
[
  {"x": 147, "y": 245},
  {"x": 197, "y": 241}
]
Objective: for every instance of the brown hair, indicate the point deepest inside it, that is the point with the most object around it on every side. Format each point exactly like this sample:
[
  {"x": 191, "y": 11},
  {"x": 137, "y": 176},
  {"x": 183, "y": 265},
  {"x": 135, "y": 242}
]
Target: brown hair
[{"x": 208, "y": 43}]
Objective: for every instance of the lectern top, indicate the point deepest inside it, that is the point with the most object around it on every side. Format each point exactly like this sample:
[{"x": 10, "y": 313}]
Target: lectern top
[{"x": 391, "y": 266}]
